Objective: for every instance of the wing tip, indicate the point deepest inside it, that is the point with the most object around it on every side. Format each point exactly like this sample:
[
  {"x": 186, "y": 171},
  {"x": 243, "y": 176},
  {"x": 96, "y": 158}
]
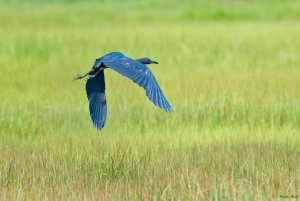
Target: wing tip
[
  {"x": 169, "y": 109},
  {"x": 99, "y": 126}
]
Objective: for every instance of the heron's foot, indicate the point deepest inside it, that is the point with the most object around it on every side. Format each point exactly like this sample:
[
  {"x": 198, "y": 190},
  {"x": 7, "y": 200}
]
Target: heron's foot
[{"x": 78, "y": 77}]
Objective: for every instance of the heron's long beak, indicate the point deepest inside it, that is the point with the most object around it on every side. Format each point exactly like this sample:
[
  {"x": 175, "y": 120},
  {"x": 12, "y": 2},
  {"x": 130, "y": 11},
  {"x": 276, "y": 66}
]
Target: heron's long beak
[{"x": 154, "y": 62}]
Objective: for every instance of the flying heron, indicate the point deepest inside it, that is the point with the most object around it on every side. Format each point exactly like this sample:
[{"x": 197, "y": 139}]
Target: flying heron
[{"x": 136, "y": 70}]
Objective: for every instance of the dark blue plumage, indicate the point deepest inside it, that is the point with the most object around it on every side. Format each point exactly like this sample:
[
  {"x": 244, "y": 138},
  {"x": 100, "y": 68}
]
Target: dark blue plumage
[
  {"x": 136, "y": 70},
  {"x": 95, "y": 90}
]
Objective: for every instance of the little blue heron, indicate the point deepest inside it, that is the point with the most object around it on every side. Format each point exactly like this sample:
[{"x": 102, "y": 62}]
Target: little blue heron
[{"x": 136, "y": 70}]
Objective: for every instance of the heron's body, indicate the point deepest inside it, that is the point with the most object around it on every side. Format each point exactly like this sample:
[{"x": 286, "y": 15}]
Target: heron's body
[{"x": 136, "y": 70}]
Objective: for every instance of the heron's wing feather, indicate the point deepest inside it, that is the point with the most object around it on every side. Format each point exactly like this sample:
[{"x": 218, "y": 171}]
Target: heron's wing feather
[
  {"x": 95, "y": 90},
  {"x": 141, "y": 75}
]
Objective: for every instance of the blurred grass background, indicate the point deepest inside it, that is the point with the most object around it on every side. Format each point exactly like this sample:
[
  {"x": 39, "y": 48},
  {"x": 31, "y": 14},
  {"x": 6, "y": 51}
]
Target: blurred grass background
[{"x": 229, "y": 68}]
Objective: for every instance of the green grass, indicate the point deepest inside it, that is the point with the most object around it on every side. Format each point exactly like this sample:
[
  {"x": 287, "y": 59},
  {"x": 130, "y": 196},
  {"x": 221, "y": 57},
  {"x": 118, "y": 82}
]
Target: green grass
[{"x": 230, "y": 69}]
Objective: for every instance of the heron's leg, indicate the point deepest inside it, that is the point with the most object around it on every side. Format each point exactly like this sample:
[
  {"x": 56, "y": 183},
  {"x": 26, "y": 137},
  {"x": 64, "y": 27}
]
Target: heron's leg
[
  {"x": 92, "y": 76},
  {"x": 78, "y": 76}
]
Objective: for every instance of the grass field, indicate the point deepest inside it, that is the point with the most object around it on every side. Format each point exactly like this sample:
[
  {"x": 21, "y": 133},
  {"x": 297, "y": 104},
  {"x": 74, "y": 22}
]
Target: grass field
[{"x": 230, "y": 69}]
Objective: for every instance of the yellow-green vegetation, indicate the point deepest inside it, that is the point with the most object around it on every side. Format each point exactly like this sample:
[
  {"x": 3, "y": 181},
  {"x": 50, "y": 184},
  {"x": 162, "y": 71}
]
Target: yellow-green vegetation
[{"x": 230, "y": 69}]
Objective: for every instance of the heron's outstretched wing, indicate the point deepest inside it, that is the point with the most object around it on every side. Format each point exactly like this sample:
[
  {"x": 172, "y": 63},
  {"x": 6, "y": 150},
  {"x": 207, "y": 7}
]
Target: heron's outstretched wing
[
  {"x": 95, "y": 90},
  {"x": 140, "y": 74}
]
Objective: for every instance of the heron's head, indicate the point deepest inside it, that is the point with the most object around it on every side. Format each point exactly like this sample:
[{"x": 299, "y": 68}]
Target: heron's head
[{"x": 146, "y": 60}]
